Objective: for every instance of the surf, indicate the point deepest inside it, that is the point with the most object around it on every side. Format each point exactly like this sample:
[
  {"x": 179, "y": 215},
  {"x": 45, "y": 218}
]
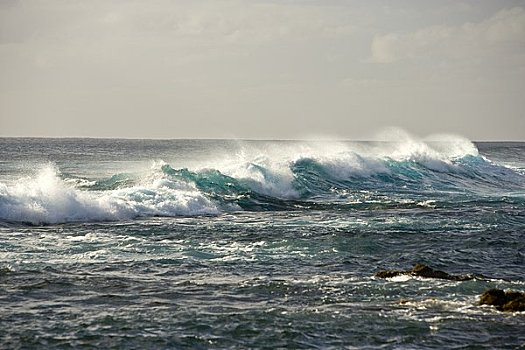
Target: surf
[
  {"x": 396, "y": 171},
  {"x": 48, "y": 199}
]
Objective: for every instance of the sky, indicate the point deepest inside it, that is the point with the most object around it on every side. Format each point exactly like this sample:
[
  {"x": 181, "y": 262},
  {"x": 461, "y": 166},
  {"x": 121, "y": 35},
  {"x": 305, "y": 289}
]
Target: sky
[{"x": 262, "y": 69}]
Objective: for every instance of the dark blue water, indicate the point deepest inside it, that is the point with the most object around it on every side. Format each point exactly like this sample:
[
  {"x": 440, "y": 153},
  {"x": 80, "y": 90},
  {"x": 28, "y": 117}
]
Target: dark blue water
[{"x": 244, "y": 244}]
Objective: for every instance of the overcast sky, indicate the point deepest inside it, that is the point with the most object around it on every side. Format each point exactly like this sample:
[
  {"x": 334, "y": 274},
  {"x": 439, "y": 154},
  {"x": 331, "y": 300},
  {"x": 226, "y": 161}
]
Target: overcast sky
[{"x": 262, "y": 69}]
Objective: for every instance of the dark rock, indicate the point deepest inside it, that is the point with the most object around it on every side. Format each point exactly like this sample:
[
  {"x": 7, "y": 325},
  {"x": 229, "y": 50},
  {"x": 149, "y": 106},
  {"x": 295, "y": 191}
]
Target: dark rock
[
  {"x": 515, "y": 305},
  {"x": 511, "y": 295},
  {"x": 503, "y": 301},
  {"x": 422, "y": 270},
  {"x": 494, "y": 297},
  {"x": 389, "y": 273}
]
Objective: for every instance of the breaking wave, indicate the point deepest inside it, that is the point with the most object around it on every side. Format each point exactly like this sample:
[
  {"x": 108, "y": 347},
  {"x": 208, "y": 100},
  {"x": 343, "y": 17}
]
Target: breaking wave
[
  {"x": 401, "y": 172},
  {"x": 47, "y": 198}
]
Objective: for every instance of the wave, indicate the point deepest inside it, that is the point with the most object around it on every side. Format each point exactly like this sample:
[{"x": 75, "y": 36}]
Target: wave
[
  {"x": 49, "y": 199},
  {"x": 405, "y": 173}
]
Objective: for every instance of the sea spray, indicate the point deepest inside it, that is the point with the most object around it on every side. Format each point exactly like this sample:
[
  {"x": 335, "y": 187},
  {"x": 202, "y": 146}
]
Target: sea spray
[
  {"x": 267, "y": 177},
  {"x": 47, "y": 198}
]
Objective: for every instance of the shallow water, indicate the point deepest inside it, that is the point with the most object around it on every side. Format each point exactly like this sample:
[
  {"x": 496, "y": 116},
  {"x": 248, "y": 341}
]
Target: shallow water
[{"x": 226, "y": 244}]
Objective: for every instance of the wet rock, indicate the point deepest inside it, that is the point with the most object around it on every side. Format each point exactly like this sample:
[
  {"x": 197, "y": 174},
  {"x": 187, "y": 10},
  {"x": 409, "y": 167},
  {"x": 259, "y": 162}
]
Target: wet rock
[
  {"x": 422, "y": 270},
  {"x": 389, "y": 273},
  {"x": 503, "y": 301},
  {"x": 493, "y": 297}
]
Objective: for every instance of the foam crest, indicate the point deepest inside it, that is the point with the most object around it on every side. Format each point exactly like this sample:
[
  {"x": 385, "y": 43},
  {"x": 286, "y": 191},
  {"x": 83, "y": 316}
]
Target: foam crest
[
  {"x": 443, "y": 147},
  {"x": 47, "y": 198},
  {"x": 271, "y": 168},
  {"x": 265, "y": 170},
  {"x": 349, "y": 164},
  {"x": 452, "y": 146},
  {"x": 436, "y": 152},
  {"x": 257, "y": 175}
]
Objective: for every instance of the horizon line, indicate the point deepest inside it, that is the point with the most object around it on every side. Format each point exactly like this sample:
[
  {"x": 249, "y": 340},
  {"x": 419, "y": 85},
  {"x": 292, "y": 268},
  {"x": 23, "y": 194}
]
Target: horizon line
[{"x": 229, "y": 139}]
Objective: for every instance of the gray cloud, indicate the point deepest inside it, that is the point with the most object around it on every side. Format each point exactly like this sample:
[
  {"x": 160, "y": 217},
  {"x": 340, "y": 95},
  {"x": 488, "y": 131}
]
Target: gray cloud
[
  {"x": 502, "y": 33},
  {"x": 261, "y": 69}
]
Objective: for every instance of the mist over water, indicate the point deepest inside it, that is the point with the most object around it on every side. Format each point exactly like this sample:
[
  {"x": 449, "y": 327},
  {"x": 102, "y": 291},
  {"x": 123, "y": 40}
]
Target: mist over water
[{"x": 226, "y": 243}]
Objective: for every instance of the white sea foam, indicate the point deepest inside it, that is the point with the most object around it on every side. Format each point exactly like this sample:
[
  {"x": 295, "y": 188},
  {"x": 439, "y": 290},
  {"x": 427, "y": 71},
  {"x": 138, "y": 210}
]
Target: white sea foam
[
  {"x": 435, "y": 152},
  {"x": 266, "y": 170},
  {"x": 452, "y": 146},
  {"x": 268, "y": 167},
  {"x": 47, "y": 198}
]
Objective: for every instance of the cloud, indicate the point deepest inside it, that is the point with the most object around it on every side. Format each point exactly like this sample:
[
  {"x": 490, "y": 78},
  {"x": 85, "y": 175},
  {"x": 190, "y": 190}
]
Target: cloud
[
  {"x": 504, "y": 31},
  {"x": 225, "y": 20},
  {"x": 44, "y": 34},
  {"x": 196, "y": 67}
]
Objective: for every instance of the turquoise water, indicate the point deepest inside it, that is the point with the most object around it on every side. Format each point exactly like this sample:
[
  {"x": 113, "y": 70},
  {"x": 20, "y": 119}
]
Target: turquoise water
[{"x": 267, "y": 244}]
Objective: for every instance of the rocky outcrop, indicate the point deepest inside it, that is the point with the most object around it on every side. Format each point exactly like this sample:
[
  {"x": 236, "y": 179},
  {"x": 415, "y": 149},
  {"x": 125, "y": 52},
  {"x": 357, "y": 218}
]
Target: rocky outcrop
[
  {"x": 503, "y": 301},
  {"x": 422, "y": 270},
  {"x": 509, "y": 301}
]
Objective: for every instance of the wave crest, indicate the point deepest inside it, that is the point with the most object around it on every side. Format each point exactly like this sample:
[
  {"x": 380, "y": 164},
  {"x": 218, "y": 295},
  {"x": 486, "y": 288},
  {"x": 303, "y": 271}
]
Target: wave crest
[
  {"x": 47, "y": 198},
  {"x": 275, "y": 176}
]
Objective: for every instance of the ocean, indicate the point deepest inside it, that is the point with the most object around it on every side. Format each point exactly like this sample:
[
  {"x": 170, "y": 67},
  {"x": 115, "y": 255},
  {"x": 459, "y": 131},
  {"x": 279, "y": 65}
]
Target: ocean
[{"x": 161, "y": 244}]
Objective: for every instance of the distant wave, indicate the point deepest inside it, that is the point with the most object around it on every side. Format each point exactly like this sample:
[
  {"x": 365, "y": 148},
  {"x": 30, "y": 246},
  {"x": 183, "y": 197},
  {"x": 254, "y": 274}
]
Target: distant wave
[{"x": 400, "y": 173}]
